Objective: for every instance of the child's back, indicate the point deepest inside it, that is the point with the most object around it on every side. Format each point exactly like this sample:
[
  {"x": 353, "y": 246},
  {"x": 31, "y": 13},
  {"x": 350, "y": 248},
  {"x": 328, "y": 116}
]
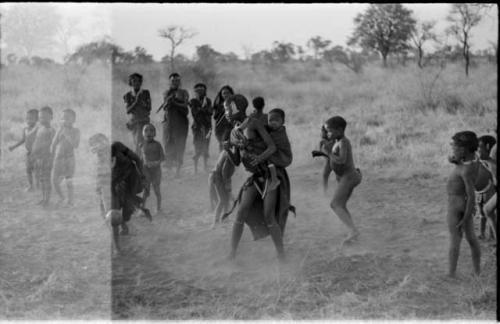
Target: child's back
[{"x": 283, "y": 155}]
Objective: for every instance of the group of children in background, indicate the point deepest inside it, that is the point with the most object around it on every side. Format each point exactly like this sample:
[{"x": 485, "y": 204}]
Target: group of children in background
[
  {"x": 474, "y": 176},
  {"x": 50, "y": 154}
]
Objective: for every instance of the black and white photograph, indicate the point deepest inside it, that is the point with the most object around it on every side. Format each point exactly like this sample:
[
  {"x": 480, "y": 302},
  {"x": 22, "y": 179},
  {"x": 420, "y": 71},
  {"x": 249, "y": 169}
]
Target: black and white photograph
[{"x": 248, "y": 161}]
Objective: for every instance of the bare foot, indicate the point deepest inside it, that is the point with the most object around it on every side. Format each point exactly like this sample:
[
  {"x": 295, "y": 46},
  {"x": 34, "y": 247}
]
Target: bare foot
[
  {"x": 231, "y": 256},
  {"x": 124, "y": 230},
  {"x": 353, "y": 236}
]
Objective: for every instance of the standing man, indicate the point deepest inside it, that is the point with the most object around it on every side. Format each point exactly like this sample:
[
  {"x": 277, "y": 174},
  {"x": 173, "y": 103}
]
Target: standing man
[
  {"x": 201, "y": 110},
  {"x": 175, "y": 124},
  {"x": 138, "y": 105}
]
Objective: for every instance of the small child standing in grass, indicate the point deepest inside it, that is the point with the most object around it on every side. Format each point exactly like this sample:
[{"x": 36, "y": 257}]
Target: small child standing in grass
[
  {"x": 152, "y": 155},
  {"x": 63, "y": 148},
  {"x": 461, "y": 198},
  {"x": 41, "y": 152},
  {"x": 485, "y": 185},
  {"x": 29, "y": 134}
]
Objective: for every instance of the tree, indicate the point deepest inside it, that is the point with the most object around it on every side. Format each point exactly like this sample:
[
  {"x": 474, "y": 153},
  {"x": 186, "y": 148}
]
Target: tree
[
  {"x": 349, "y": 58},
  {"x": 422, "y": 33},
  {"x": 30, "y": 28},
  {"x": 318, "y": 45},
  {"x": 141, "y": 56},
  {"x": 207, "y": 54},
  {"x": 385, "y": 28},
  {"x": 176, "y": 35},
  {"x": 494, "y": 47},
  {"x": 463, "y": 17},
  {"x": 11, "y": 58},
  {"x": 67, "y": 32},
  {"x": 104, "y": 51},
  {"x": 282, "y": 52}
]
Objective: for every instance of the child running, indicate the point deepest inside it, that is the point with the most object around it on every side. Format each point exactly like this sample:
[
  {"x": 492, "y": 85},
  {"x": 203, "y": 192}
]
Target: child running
[
  {"x": 28, "y": 138},
  {"x": 348, "y": 176},
  {"x": 41, "y": 153},
  {"x": 460, "y": 189},
  {"x": 63, "y": 148},
  {"x": 152, "y": 156}
]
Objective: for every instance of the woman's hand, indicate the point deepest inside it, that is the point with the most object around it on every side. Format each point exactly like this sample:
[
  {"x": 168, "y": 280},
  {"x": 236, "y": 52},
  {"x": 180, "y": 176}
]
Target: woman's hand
[{"x": 255, "y": 160}]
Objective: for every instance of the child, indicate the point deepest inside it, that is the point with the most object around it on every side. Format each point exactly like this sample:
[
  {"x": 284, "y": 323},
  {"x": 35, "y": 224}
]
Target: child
[
  {"x": 219, "y": 181},
  {"x": 41, "y": 152},
  {"x": 460, "y": 188},
  {"x": 325, "y": 147},
  {"x": 201, "y": 110},
  {"x": 485, "y": 185},
  {"x": 152, "y": 155},
  {"x": 99, "y": 145},
  {"x": 258, "y": 104},
  {"x": 63, "y": 148},
  {"x": 348, "y": 177},
  {"x": 29, "y": 134},
  {"x": 282, "y": 157},
  {"x": 138, "y": 106},
  {"x": 220, "y": 178}
]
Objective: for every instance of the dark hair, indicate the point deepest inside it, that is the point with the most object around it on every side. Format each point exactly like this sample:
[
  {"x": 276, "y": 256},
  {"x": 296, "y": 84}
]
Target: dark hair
[
  {"x": 200, "y": 85},
  {"x": 149, "y": 126},
  {"x": 258, "y": 103},
  {"x": 47, "y": 109},
  {"x": 173, "y": 75},
  {"x": 278, "y": 111},
  {"x": 218, "y": 99},
  {"x": 97, "y": 138},
  {"x": 240, "y": 101},
  {"x": 71, "y": 112},
  {"x": 33, "y": 112},
  {"x": 134, "y": 76},
  {"x": 488, "y": 141},
  {"x": 336, "y": 123},
  {"x": 467, "y": 140}
]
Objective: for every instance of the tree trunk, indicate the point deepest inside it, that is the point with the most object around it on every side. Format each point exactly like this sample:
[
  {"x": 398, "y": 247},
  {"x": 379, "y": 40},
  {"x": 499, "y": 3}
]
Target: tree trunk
[
  {"x": 384, "y": 59},
  {"x": 420, "y": 56},
  {"x": 467, "y": 63},
  {"x": 172, "y": 53}
]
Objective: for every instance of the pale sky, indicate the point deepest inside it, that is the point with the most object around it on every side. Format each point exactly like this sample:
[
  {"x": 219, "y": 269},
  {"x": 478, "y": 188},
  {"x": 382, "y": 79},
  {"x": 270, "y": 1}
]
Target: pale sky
[{"x": 229, "y": 27}]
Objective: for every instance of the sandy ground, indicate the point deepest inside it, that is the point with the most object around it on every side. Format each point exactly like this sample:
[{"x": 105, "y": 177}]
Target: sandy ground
[{"x": 57, "y": 263}]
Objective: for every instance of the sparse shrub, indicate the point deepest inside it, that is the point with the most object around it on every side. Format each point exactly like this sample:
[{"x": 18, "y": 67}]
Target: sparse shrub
[
  {"x": 374, "y": 122},
  {"x": 452, "y": 103},
  {"x": 366, "y": 140}
]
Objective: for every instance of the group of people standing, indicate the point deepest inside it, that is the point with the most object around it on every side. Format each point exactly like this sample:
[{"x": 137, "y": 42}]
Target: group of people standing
[
  {"x": 258, "y": 141},
  {"x": 176, "y": 107}
]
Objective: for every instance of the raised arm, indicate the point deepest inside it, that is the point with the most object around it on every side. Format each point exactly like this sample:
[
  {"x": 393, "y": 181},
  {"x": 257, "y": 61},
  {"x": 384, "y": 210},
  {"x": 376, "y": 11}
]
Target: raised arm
[
  {"x": 73, "y": 138},
  {"x": 21, "y": 142}
]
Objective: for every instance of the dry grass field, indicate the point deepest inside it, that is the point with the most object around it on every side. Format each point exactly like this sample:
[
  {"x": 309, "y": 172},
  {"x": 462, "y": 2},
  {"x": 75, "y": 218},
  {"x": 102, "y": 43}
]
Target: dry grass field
[{"x": 56, "y": 263}]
